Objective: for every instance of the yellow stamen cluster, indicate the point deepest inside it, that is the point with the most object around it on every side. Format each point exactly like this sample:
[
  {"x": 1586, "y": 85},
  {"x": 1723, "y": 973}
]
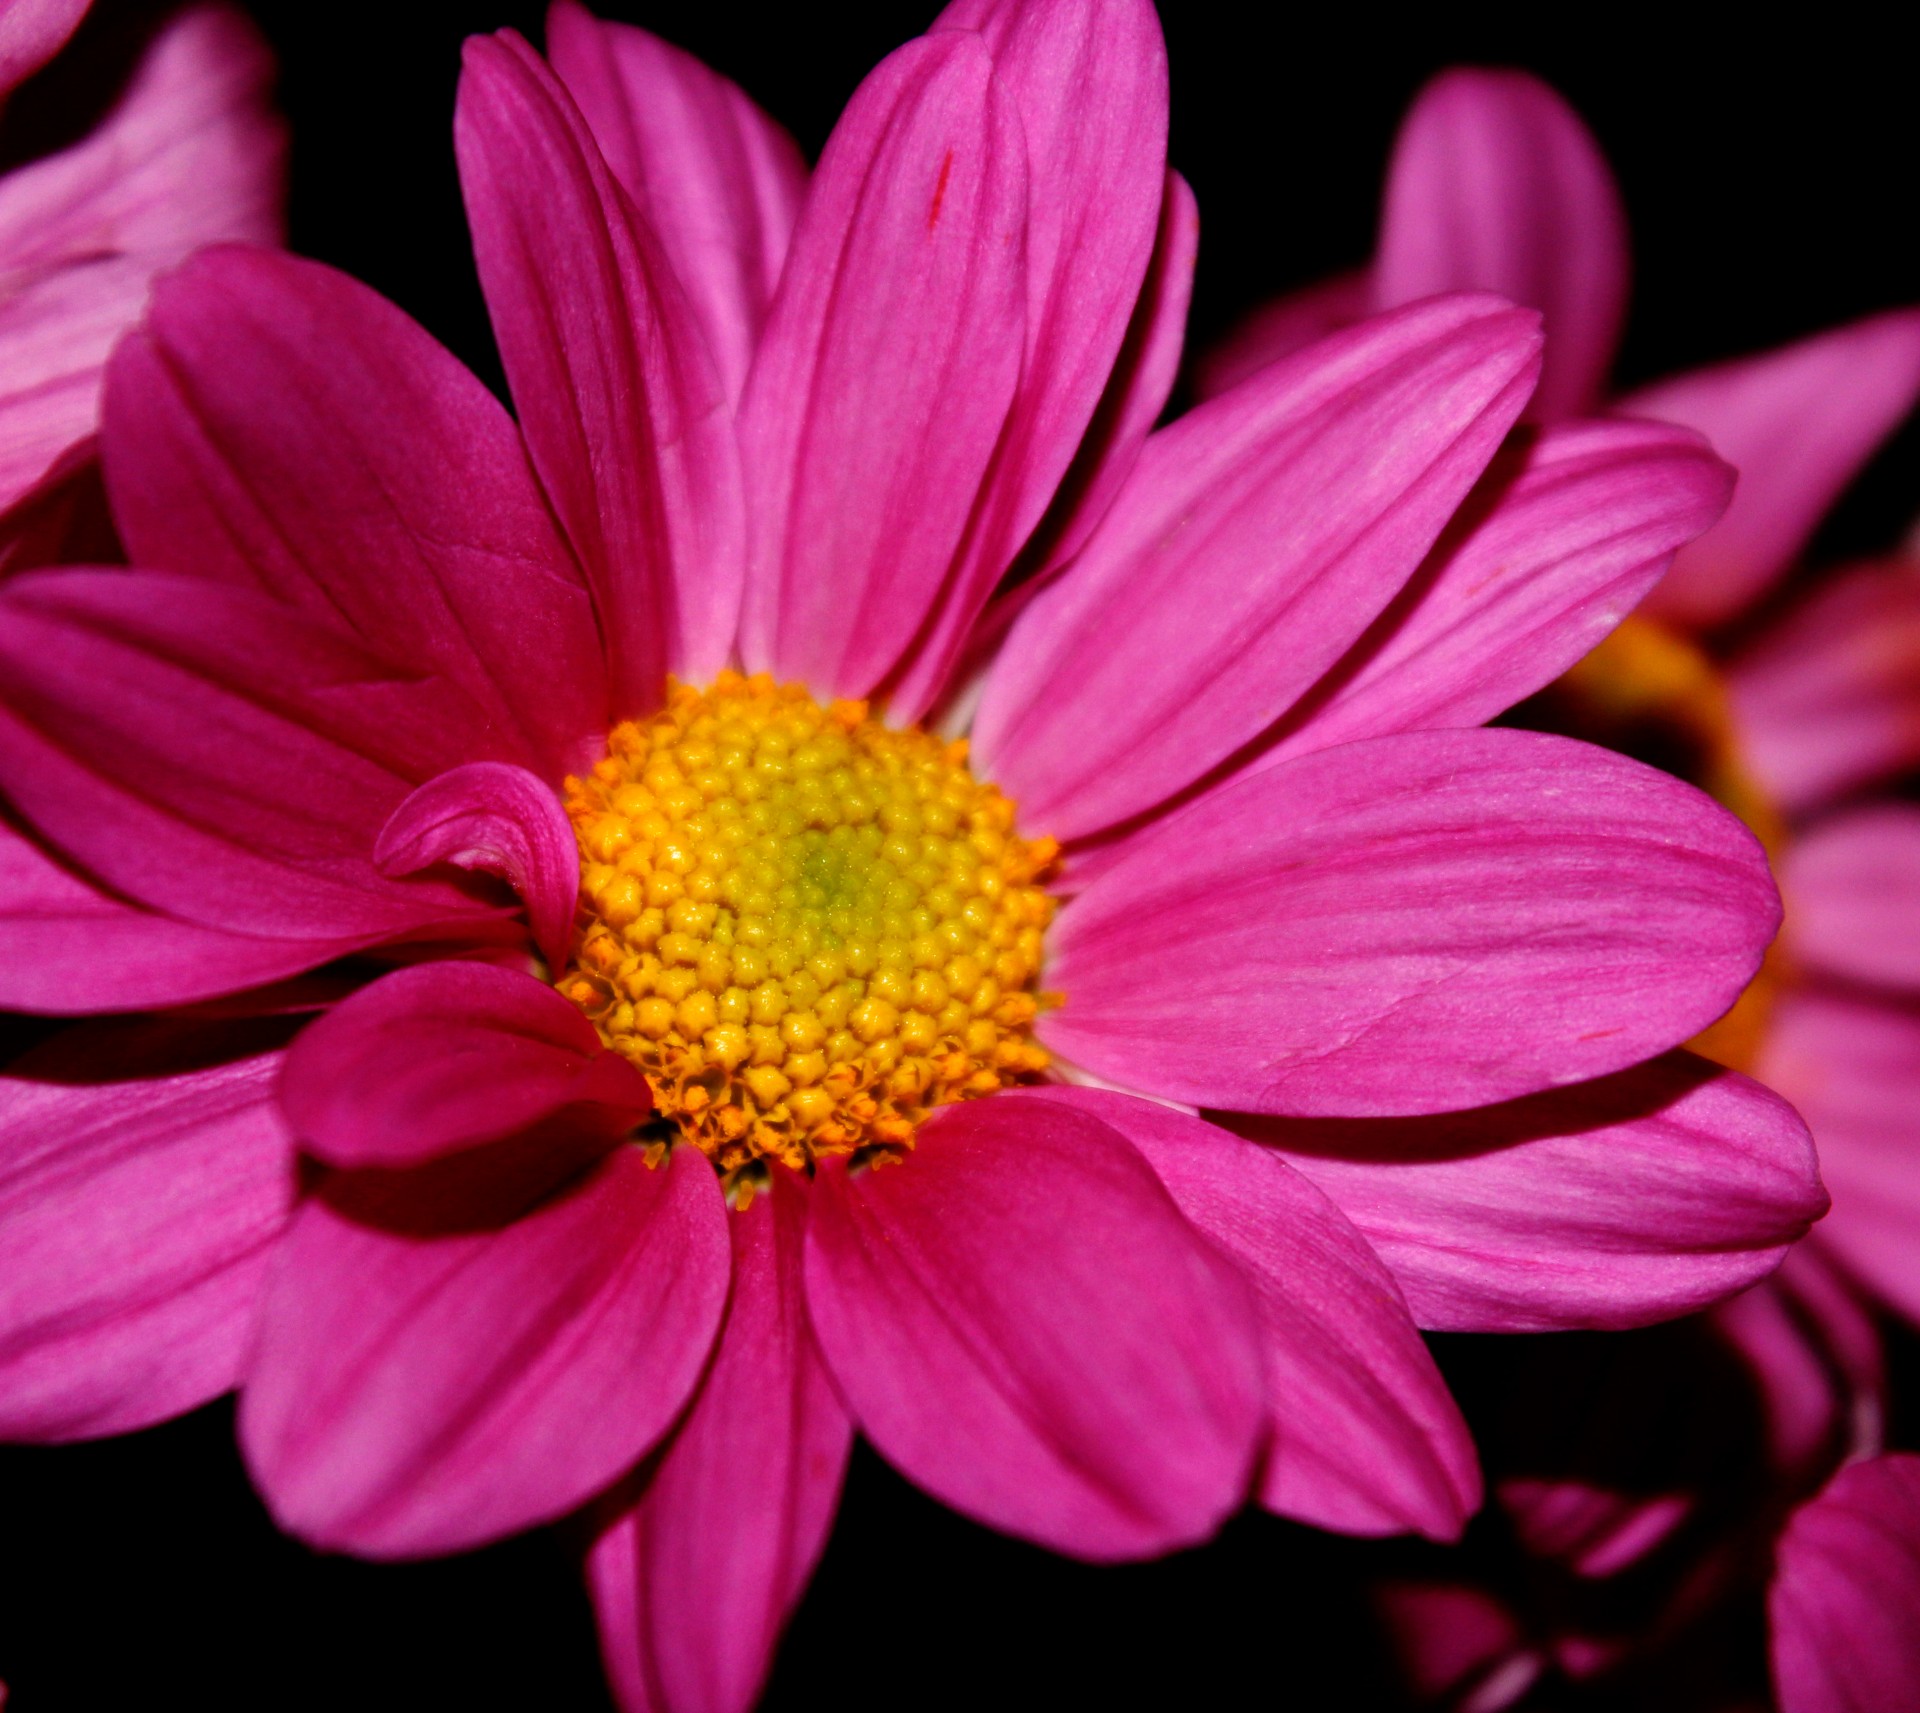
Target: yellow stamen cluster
[{"x": 805, "y": 928}]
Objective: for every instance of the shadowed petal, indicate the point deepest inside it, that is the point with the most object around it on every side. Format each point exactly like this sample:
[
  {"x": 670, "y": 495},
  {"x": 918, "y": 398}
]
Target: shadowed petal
[
  {"x": 1366, "y": 1439},
  {"x": 1021, "y": 1321},
  {"x": 1855, "y": 884},
  {"x": 1497, "y": 186},
  {"x": 718, "y": 181},
  {"x": 1256, "y": 540},
  {"x": 144, "y": 1177},
  {"x": 694, "y": 1580},
  {"x": 1798, "y": 424},
  {"x": 420, "y": 1391},
  {"x": 1282, "y": 327},
  {"x": 621, "y": 405},
  {"x": 1411, "y": 924},
  {"x": 31, "y": 33},
  {"x": 1631, "y": 1199}
]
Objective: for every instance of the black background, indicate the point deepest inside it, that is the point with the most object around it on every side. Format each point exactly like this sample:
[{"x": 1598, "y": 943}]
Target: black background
[{"x": 1770, "y": 181}]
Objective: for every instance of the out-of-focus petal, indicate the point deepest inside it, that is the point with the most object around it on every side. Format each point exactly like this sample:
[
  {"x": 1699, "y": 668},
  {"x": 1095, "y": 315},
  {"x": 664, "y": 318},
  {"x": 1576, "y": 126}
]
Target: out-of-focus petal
[
  {"x": 193, "y": 155},
  {"x": 1567, "y": 533},
  {"x": 68, "y": 949},
  {"x": 1496, "y": 185},
  {"x": 1844, "y": 1607},
  {"x": 144, "y": 1176},
  {"x": 275, "y": 424},
  {"x": 500, "y": 819},
  {"x": 1852, "y": 1067},
  {"x": 693, "y": 1582},
  {"x": 1412, "y": 924},
  {"x": 1797, "y": 423},
  {"x": 1829, "y": 698},
  {"x": 1088, "y": 79},
  {"x": 1854, "y": 885},
  {"x": 1021, "y": 1320},
  {"x": 1365, "y": 1438},
  {"x": 717, "y": 180},
  {"x": 445, "y": 1056},
  {"x": 422, "y": 1384},
  {"x": 1282, "y": 327},
  {"x": 214, "y": 754},
  {"x": 890, "y": 361},
  {"x": 1257, "y": 539},
  {"x": 621, "y": 405},
  {"x": 31, "y": 33},
  {"x": 1626, "y": 1200}
]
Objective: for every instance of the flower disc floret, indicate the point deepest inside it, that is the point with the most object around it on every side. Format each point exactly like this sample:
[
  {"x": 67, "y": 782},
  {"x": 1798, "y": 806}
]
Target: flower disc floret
[{"x": 806, "y": 928}]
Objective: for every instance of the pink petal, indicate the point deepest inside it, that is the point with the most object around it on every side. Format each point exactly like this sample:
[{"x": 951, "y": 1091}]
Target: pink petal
[
  {"x": 1844, "y": 1607},
  {"x": 67, "y": 948},
  {"x": 1280, "y": 328},
  {"x": 1089, "y": 82},
  {"x": 1626, "y": 1200},
  {"x": 276, "y": 424},
  {"x": 239, "y": 767},
  {"x": 717, "y": 180},
  {"x": 31, "y": 33},
  {"x": 1021, "y": 1320},
  {"x": 1411, "y": 924},
  {"x": 1497, "y": 186},
  {"x": 192, "y": 155},
  {"x": 890, "y": 362},
  {"x": 1366, "y": 1439},
  {"x": 499, "y": 819},
  {"x": 445, "y": 1056},
  {"x": 1255, "y": 542},
  {"x": 421, "y": 1388},
  {"x": 1829, "y": 698},
  {"x": 1854, "y": 882},
  {"x": 1576, "y": 526},
  {"x": 144, "y": 1177},
  {"x": 619, "y": 399},
  {"x": 1852, "y": 1067},
  {"x": 1798, "y": 423},
  {"x": 693, "y": 1583}
]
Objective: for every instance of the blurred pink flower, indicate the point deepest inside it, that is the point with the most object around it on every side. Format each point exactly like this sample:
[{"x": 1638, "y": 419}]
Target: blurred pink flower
[{"x": 381, "y": 638}]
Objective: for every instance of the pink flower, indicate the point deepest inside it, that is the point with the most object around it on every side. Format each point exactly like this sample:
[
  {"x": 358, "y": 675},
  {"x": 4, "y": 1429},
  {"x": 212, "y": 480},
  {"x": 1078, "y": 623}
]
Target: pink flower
[
  {"x": 191, "y": 154},
  {"x": 1225, "y": 836}
]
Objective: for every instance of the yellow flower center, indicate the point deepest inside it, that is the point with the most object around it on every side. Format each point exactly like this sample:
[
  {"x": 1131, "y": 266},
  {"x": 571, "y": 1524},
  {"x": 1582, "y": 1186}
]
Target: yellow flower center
[
  {"x": 807, "y": 929},
  {"x": 1654, "y": 695}
]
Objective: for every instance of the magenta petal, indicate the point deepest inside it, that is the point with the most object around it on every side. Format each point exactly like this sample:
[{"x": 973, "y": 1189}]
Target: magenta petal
[
  {"x": 1089, "y": 82},
  {"x": 1854, "y": 882},
  {"x": 1365, "y": 1437},
  {"x": 619, "y": 400},
  {"x": 718, "y": 181},
  {"x": 419, "y": 1391},
  {"x": 694, "y": 1582},
  {"x": 144, "y": 1176},
  {"x": 1022, "y": 1322},
  {"x": 1256, "y": 540},
  {"x": 1282, "y": 327},
  {"x": 1627, "y": 1200},
  {"x": 1497, "y": 186},
  {"x": 67, "y": 948},
  {"x": 889, "y": 364},
  {"x": 275, "y": 424},
  {"x": 1798, "y": 423},
  {"x": 445, "y": 1056},
  {"x": 1852, "y": 1067},
  {"x": 1828, "y": 699},
  {"x": 1844, "y": 1606},
  {"x": 1585, "y": 520},
  {"x": 500, "y": 819},
  {"x": 240, "y": 762},
  {"x": 1411, "y": 924},
  {"x": 31, "y": 33}
]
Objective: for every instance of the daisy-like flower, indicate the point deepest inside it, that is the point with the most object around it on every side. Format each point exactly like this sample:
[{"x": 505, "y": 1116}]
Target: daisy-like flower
[
  {"x": 924, "y": 786},
  {"x": 191, "y": 154}
]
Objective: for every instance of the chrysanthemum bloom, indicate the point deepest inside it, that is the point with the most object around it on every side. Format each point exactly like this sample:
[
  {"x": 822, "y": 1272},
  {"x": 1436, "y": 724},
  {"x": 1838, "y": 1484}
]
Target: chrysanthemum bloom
[
  {"x": 833, "y": 1068},
  {"x": 191, "y": 154}
]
